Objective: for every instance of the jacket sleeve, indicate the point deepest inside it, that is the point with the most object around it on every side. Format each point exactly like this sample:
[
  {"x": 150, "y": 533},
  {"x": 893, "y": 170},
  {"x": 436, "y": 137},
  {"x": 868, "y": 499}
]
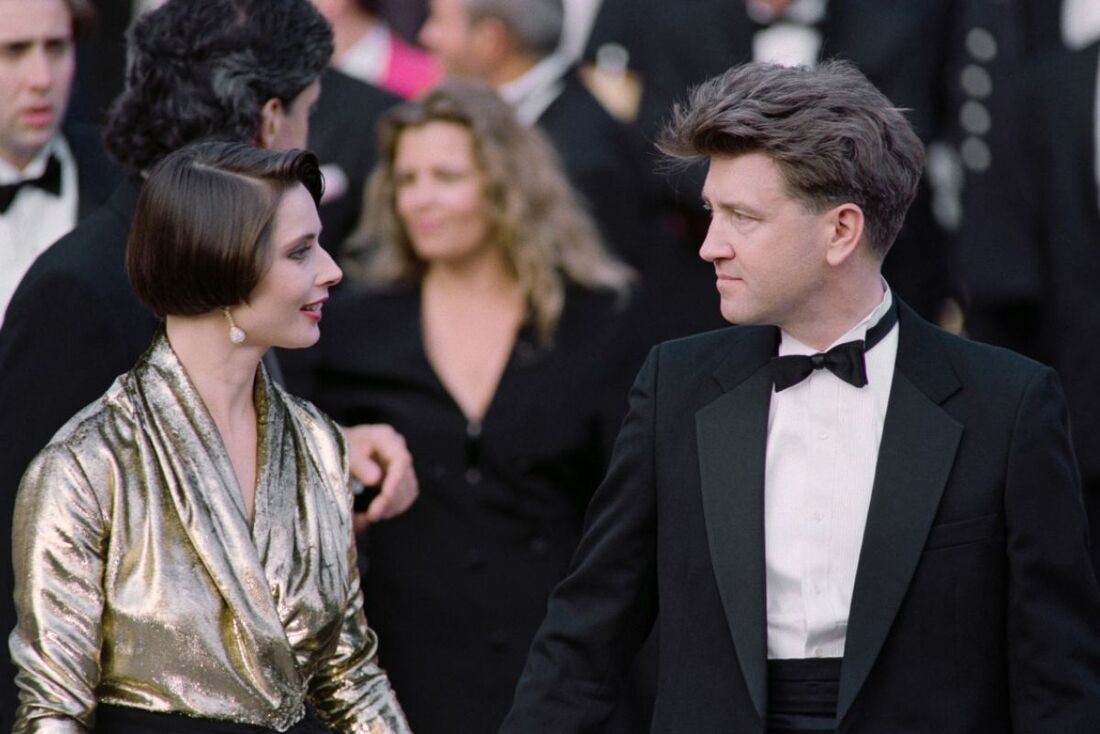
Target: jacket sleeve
[
  {"x": 1053, "y": 627},
  {"x": 350, "y": 690},
  {"x": 59, "y": 350},
  {"x": 601, "y": 613},
  {"x": 59, "y": 540}
]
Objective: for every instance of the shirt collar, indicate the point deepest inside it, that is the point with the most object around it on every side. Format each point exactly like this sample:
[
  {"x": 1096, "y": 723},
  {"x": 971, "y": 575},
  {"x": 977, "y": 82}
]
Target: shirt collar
[
  {"x": 789, "y": 345},
  {"x": 9, "y": 174},
  {"x": 531, "y": 92}
]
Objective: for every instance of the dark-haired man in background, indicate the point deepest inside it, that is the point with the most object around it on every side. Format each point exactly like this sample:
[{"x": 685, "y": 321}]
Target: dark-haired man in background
[
  {"x": 243, "y": 70},
  {"x": 849, "y": 520},
  {"x": 50, "y": 177}
]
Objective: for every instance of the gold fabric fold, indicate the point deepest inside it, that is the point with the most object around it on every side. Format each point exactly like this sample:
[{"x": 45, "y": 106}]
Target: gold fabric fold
[{"x": 139, "y": 581}]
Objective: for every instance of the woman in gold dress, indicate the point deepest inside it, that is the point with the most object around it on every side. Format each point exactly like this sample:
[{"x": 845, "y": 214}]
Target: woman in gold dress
[{"x": 184, "y": 555}]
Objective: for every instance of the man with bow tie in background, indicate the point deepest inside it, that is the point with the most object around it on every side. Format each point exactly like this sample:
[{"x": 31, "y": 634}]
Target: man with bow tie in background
[
  {"x": 839, "y": 517},
  {"x": 49, "y": 178}
]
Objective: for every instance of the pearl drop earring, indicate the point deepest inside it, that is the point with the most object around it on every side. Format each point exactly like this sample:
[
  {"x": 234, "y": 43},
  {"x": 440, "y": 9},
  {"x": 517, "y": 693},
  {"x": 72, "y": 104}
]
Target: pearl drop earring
[{"x": 236, "y": 333}]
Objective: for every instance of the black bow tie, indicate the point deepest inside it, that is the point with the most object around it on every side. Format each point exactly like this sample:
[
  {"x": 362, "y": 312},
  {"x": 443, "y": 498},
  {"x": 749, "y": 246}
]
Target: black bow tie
[
  {"x": 49, "y": 181},
  {"x": 844, "y": 360}
]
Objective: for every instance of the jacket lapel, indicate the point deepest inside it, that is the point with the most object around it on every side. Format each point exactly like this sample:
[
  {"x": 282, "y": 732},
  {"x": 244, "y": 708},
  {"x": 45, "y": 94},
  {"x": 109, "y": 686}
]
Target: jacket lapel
[
  {"x": 919, "y": 442},
  {"x": 198, "y": 476},
  {"x": 731, "y": 435}
]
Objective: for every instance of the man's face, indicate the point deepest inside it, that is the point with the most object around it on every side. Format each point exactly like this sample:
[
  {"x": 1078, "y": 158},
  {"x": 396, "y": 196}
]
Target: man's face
[
  {"x": 767, "y": 249},
  {"x": 36, "y": 73},
  {"x": 450, "y": 36}
]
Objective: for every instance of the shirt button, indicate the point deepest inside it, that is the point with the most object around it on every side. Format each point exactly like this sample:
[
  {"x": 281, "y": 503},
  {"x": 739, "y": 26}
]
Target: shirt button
[
  {"x": 818, "y": 516},
  {"x": 473, "y": 476},
  {"x": 823, "y": 435}
]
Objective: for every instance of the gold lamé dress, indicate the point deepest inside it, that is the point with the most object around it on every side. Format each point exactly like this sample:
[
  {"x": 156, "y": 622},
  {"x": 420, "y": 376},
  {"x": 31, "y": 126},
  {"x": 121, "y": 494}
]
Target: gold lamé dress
[{"x": 140, "y": 583}]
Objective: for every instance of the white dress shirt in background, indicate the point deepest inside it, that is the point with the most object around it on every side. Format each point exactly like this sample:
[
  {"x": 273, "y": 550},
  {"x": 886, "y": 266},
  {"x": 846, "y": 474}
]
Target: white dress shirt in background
[{"x": 36, "y": 219}]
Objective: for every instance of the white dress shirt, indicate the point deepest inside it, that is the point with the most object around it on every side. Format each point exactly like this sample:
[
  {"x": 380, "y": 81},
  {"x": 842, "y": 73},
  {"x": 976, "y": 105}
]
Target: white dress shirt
[
  {"x": 822, "y": 448},
  {"x": 1080, "y": 22},
  {"x": 366, "y": 60},
  {"x": 36, "y": 219},
  {"x": 531, "y": 93},
  {"x": 791, "y": 40}
]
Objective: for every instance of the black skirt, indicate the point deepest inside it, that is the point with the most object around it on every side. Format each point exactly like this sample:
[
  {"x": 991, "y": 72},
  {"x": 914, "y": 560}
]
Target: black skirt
[{"x": 111, "y": 719}]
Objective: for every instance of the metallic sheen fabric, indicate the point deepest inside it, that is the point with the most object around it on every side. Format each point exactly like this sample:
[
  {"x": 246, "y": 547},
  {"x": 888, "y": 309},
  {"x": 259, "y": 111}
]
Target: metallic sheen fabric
[{"x": 140, "y": 583}]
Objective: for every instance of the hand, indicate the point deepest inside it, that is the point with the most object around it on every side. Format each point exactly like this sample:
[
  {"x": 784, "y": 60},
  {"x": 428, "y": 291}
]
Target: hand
[{"x": 378, "y": 454}]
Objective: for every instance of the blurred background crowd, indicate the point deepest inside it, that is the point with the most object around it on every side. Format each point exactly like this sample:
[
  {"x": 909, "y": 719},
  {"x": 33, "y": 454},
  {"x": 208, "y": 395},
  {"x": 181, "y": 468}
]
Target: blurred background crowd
[{"x": 593, "y": 262}]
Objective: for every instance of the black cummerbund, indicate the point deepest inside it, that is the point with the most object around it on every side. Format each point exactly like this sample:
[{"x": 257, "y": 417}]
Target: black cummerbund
[
  {"x": 111, "y": 719},
  {"x": 802, "y": 695}
]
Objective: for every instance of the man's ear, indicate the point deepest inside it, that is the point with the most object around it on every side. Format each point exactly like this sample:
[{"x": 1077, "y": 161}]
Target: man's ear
[
  {"x": 845, "y": 233},
  {"x": 271, "y": 119}
]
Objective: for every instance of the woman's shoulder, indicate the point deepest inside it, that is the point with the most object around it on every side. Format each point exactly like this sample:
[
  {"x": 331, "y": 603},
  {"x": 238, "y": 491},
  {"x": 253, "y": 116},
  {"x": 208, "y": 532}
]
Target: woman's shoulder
[
  {"x": 87, "y": 451},
  {"x": 320, "y": 435}
]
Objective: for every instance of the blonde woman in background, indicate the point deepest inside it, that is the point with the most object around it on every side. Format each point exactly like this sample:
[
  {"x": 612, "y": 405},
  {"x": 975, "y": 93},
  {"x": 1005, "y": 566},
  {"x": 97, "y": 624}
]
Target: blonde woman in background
[{"x": 492, "y": 329}]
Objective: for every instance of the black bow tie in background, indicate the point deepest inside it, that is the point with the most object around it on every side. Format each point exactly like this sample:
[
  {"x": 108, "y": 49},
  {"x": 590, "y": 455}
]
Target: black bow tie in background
[
  {"x": 844, "y": 360},
  {"x": 49, "y": 181}
]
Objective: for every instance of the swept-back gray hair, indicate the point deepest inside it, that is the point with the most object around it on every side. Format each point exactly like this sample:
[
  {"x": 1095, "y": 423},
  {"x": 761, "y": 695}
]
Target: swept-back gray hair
[
  {"x": 535, "y": 24},
  {"x": 833, "y": 135}
]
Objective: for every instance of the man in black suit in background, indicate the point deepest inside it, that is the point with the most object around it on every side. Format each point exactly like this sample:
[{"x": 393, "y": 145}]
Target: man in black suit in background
[
  {"x": 50, "y": 178},
  {"x": 511, "y": 44},
  {"x": 848, "y": 519},
  {"x": 1030, "y": 245},
  {"x": 912, "y": 51},
  {"x": 245, "y": 70},
  {"x": 342, "y": 134}
]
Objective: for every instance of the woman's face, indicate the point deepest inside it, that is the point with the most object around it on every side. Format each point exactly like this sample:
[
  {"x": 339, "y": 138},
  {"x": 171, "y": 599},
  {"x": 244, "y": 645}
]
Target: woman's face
[
  {"x": 440, "y": 194},
  {"x": 284, "y": 310}
]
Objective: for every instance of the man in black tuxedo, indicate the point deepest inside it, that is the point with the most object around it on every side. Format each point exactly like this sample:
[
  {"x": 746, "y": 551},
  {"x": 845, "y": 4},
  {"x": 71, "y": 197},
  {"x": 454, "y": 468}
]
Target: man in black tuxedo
[
  {"x": 50, "y": 177},
  {"x": 245, "y": 70},
  {"x": 839, "y": 517}
]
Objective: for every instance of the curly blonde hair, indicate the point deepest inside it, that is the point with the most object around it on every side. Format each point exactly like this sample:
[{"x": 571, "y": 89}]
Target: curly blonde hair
[{"x": 536, "y": 219}]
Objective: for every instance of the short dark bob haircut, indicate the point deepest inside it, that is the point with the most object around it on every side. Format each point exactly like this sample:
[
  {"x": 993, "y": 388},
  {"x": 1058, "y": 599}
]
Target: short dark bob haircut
[
  {"x": 201, "y": 234},
  {"x": 834, "y": 136}
]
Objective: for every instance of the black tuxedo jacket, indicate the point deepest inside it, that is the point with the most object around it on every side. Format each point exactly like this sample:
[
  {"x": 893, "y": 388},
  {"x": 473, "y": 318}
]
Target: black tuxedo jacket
[
  {"x": 974, "y": 609},
  {"x": 96, "y": 174}
]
